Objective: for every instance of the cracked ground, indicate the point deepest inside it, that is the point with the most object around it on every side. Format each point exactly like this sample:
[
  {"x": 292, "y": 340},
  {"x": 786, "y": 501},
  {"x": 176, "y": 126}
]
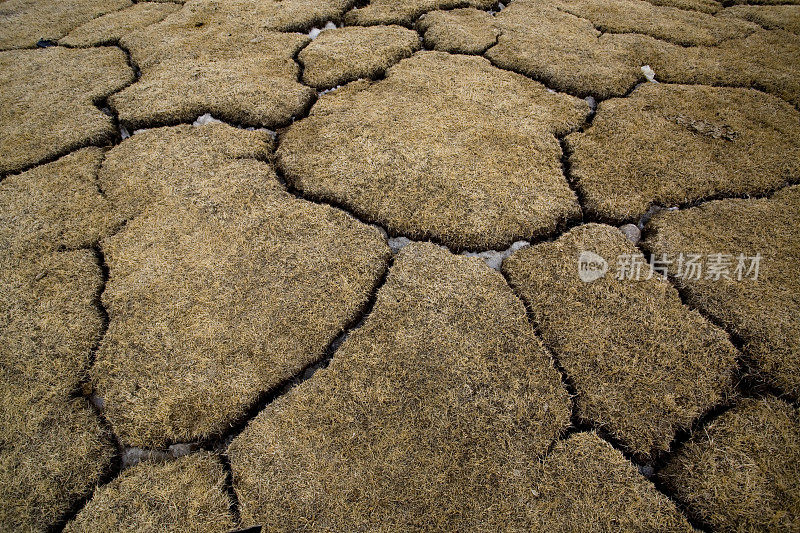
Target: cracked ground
[{"x": 400, "y": 265}]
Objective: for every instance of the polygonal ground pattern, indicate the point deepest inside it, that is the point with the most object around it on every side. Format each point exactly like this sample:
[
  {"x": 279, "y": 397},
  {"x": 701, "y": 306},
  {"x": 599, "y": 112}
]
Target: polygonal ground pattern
[
  {"x": 23, "y": 23},
  {"x": 677, "y": 144},
  {"x": 47, "y": 101},
  {"x": 446, "y": 147},
  {"x": 55, "y": 206},
  {"x": 197, "y": 62},
  {"x": 585, "y": 485},
  {"x": 217, "y": 296},
  {"x": 341, "y": 55},
  {"x": 671, "y": 24},
  {"x": 110, "y": 28},
  {"x": 466, "y": 30},
  {"x": 644, "y": 366},
  {"x": 598, "y": 47},
  {"x": 184, "y": 162},
  {"x": 742, "y": 472},
  {"x": 52, "y": 448},
  {"x": 762, "y": 312},
  {"x": 188, "y": 288},
  {"x": 278, "y": 15},
  {"x": 783, "y": 17},
  {"x": 404, "y": 12},
  {"x": 430, "y": 415},
  {"x": 184, "y": 495}
]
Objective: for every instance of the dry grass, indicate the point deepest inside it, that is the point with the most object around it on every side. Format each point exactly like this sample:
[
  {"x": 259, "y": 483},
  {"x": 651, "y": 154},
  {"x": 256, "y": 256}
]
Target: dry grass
[
  {"x": 24, "y": 22},
  {"x": 278, "y": 15},
  {"x": 676, "y": 144},
  {"x": 185, "y": 162},
  {"x": 47, "y": 101},
  {"x": 466, "y": 30},
  {"x": 220, "y": 290},
  {"x": 586, "y": 485},
  {"x": 112, "y": 27},
  {"x": 704, "y": 6},
  {"x": 762, "y": 313},
  {"x": 741, "y": 473},
  {"x": 404, "y": 12},
  {"x": 446, "y": 147},
  {"x": 542, "y": 40},
  {"x": 644, "y": 366},
  {"x": 55, "y": 206},
  {"x": 429, "y": 416},
  {"x": 342, "y": 55},
  {"x": 52, "y": 452},
  {"x": 768, "y": 60},
  {"x": 197, "y": 61},
  {"x": 566, "y": 52},
  {"x": 671, "y": 24},
  {"x": 48, "y": 322},
  {"x": 185, "y": 495},
  {"x": 51, "y": 448},
  {"x": 784, "y": 17}
]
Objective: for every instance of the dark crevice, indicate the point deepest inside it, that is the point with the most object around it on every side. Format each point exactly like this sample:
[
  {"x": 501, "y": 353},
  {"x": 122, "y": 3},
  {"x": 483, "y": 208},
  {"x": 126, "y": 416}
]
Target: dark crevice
[
  {"x": 110, "y": 473},
  {"x": 230, "y": 492},
  {"x": 98, "y": 301},
  {"x": 220, "y": 443}
]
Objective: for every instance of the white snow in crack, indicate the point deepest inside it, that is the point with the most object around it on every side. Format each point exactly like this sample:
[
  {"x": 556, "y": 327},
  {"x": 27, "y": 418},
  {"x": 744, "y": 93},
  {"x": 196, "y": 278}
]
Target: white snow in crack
[{"x": 493, "y": 258}]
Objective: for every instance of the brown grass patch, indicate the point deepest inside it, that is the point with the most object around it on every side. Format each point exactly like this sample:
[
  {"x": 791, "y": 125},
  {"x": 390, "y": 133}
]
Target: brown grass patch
[
  {"x": 644, "y": 366},
  {"x": 446, "y": 147},
  {"x": 762, "y": 313},
  {"x": 47, "y": 101},
  {"x": 216, "y": 298},
  {"x": 341, "y": 55},
  {"x": 742, "y": 471},
  {"x": 675, "y": 144},
  {"x": 197, "y": 61},
  {"x": 185, "y": 495},
  {"x": 112, "y": 27},
  {"x": 428, "y": 417}
]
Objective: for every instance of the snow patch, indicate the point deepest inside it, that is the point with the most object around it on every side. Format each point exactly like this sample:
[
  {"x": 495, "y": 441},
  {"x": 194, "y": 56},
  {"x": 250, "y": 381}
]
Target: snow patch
[
  {"x": 398, "y": 243},
  {"x": 493, "y": 258},
  {"x": 124, "y": 133},
  {"x": 314, "y": 33},
  {"x": 202, "y": 120},
  {"x": 649, "y": 73},
  {"x": 592, "y": 102},
  {"x": 326, "y": 91},
  {"x": 500, "y": 6}
]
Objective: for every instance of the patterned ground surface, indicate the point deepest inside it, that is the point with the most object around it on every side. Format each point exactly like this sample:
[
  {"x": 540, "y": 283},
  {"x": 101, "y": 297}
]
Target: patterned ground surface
[{"x": 400, "y": 265}]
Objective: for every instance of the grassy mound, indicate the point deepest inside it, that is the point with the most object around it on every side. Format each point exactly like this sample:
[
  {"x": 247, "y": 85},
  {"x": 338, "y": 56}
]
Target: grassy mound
[
  {"x": 197, "y": 61},
  {"x": 25, "y": 22},
  {"x": 742, "y": 472},
  {"x": 185, "y": 162},
  {"x": 185, "y": 495},
  {"x": 644, "y": 365},
  {"x": 762, "y": 313},
  {"x": 214, "y": 299},
  {"x": 465, "y": 31},
  {"x": 428, "y": 417},
  {"x": 110, "y": 28},
  {"x": 342, "y": 55},
  {"x": 52, "y": 449},
  {"x": 586, "y": 485},
  {"x": 675, "y": 144},
  {"x": 446, "y": 147},
  {"x": 46, "y": 101}
]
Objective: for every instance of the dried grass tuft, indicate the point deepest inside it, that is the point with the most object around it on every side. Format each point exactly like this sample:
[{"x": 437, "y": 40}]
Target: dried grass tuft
[
  {"x": 644, "y": 365},
  {"x": 428, "y": 417}
]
